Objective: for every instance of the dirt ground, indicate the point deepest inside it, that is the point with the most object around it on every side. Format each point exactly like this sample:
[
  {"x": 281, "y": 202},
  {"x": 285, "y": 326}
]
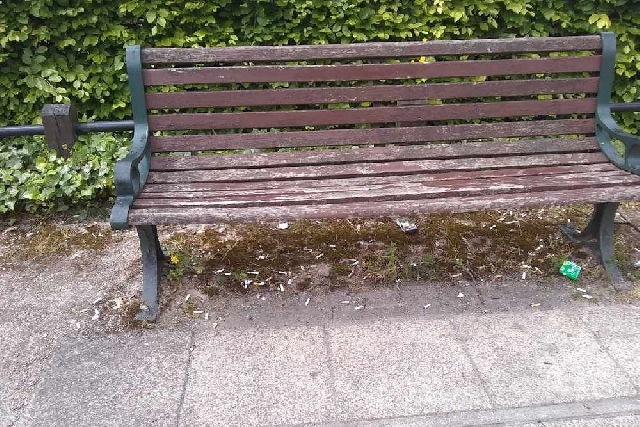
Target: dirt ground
[{"x": 212, "y": 270}]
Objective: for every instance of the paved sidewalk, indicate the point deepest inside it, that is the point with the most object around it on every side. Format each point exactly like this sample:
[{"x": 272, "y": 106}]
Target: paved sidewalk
[{"x": 393, "y": 363}]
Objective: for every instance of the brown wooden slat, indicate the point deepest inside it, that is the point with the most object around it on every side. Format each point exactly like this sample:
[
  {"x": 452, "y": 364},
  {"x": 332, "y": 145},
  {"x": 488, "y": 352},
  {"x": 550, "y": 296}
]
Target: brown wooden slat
[
  {"x": 379, "y": 209},
  {"x": 299, "y": 118},
  {"x": 379, "y": 154},
  {"x": 369, "y": 50},
  {"x": 316, "y": 190},
  {"x": 328, "y": 95},
  {"x": 342, "y": 137},
  {"x": 394, "y": 191},
  {"x": 152, "y": 191},
  {"x": 374, "y": 169},
  {"x": 363, "y": 72}
]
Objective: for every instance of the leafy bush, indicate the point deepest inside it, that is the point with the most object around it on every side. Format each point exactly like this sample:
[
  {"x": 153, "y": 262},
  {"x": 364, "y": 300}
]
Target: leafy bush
[
  {"x": 34, "y": 178},
  {"x": 73, "y": 52}
]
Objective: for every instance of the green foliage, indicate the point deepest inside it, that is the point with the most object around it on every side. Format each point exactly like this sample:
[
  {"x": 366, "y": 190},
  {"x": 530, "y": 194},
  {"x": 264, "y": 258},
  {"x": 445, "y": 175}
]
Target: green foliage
[
  {"x": 33, "y": 178},
  {"x": 180, "y": 262},
  {"x": 73, "y": 52}
]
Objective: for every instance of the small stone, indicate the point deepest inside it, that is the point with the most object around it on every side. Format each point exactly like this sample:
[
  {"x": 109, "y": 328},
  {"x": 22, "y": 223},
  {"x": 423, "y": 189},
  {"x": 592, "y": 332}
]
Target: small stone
[
  {"x": 283, "y": 226},
  {"x": 460, "y": 295},
  {"x": 323, "y": 270}
]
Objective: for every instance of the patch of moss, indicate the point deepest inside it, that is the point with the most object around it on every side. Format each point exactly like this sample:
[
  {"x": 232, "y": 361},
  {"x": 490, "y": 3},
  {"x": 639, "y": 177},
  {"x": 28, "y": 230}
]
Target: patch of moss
[{"x": 48, "y": 239}]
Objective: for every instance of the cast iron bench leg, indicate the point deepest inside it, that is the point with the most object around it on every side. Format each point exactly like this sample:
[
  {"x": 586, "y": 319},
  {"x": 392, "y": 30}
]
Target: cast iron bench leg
[
  {"x": 152, "y": 258},
  {"x": 599, "y": 235}
]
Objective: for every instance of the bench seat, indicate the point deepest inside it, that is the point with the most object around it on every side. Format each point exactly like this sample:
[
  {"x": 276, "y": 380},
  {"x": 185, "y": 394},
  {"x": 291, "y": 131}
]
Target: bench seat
[{"x": 380, "y": 181}]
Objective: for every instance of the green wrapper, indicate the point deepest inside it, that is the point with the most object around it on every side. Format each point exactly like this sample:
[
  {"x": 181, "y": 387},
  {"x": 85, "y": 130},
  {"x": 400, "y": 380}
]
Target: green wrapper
[{"x": 570, "y": 269}]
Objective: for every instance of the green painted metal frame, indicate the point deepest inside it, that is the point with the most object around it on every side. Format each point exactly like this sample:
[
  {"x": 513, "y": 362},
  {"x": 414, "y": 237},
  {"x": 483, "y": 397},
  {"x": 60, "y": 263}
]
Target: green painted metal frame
[
  {"x": 598, "y": 234},
  {"x": 130, "y": 175},
  {"x": 131, "y": 172},
  {"x": 606, "y": 127}
]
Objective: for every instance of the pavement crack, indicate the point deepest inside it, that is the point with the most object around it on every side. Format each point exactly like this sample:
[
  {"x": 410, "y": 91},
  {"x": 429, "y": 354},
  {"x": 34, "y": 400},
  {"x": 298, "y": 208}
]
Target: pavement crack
[
  {"x": 185, "y": 381},
  {"x": 332, "y": 379},
  {"x": 474, "y": 366}
]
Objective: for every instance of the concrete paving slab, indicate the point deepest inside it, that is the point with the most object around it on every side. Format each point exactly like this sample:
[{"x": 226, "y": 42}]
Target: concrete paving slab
[
  {"x": 540, "y": 357},
  {"x": 129, "y": 379},
  {"x": 257, "y": 377},
  {"x": 401, "y": 368},
  {"x": 623, "y": 421},
  {"x": 530, "y": 416},
  {"x": 24, "y": 351},
  {"x": 618, "y": 330}
]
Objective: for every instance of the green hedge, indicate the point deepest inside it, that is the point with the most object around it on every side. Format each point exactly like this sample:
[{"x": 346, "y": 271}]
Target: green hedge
[
  {"x": 55, "y": 51},
  {"x": 70, "y": 51},
  {"x": 34, "y": 179}
]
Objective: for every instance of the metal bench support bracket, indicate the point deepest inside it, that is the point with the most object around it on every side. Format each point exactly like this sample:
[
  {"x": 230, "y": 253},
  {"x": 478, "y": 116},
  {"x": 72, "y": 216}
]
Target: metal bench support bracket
[
  {"x": 152, "y": 258},
  {"x": 598, "y": 234}
]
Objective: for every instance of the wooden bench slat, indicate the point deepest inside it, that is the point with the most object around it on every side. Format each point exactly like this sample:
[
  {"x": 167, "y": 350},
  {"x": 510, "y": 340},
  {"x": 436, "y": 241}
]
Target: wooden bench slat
[
  {"x": 328, "y": 95},
  {"x": 432, "y": 113},
  {"x": 370, "y": 185},
  {"x": 366, "y": 72},
  {"x": 379, "y": 154},
  {"x": 374, "y": 169},
  {"x": 392, "y": 191},
  {"x": 162, "y": 190},
  {"x": 369, "y": 50},
  {"x": 379, "y": 209},
  {"x": 342, "y": 137}
]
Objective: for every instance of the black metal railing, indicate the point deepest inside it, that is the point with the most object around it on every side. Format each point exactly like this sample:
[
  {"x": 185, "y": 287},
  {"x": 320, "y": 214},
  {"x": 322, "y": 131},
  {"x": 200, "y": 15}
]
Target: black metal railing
[{"x": 107, "y": 126}]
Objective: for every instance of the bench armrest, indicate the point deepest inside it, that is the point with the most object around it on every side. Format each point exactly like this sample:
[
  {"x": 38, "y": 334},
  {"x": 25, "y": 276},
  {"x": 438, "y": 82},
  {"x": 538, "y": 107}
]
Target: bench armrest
[
  {"x": 130, "y": 174},
  {"x": 606, "y": 130}
]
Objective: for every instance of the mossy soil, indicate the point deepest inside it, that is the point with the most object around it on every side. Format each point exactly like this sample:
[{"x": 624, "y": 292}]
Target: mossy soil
[
  {"x": 342, "y": 253},
  {"x": 332, "y": 254}
]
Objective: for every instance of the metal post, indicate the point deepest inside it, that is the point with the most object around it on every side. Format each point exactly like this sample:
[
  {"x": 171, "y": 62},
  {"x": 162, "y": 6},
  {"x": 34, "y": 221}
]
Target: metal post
[{"x": 59, "y": 123}]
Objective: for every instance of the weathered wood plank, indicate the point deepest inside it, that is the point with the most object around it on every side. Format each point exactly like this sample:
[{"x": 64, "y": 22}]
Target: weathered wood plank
[
  {"x": 345, "y": 137},
  {"x": 379, "y": 209},
  {"x": 390, "y": 192},
  {"x": 378, "y": 154},
  {"x": 328, "y": 95},
  {"x": 365, "y": 72},
  {"x": 369, "y": 50},
  {"x": 297, "y": 118},
  {"x": 374, "y": 169},
  {"x": 399, "y": 190},
  {"x": 159, "y": 190}
]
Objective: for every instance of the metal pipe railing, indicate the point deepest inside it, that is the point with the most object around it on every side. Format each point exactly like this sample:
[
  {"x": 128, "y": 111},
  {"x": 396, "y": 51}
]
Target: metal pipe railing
[
  {"x": 27, "y": 130},
  {"x": 112, "y": 126},
  {"x": 107, "y": 126},
  {"x": 626, "y": 106}
]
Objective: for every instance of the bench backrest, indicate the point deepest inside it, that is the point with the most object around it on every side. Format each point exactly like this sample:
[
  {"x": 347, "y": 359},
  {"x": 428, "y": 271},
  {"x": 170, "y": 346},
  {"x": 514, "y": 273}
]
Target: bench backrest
[{"x": 256, "y": 97}]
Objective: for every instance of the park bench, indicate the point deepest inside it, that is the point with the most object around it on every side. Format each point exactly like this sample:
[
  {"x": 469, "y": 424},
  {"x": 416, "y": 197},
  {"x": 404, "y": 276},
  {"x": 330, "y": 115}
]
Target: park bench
[{"x": 257, "y": 133}]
